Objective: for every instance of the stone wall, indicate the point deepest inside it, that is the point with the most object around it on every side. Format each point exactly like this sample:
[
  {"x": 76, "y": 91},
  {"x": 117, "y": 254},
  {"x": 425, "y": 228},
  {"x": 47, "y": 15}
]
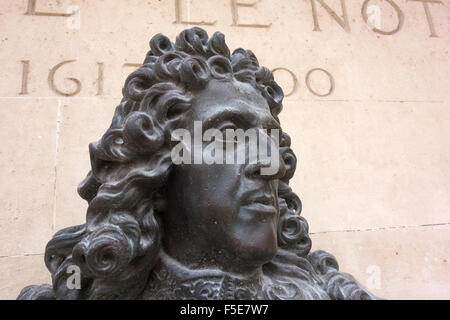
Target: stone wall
[{"x": 367, "y": 106}]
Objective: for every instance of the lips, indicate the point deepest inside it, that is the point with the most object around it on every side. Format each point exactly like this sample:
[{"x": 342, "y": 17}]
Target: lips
[
  {"x": 265, "y": 200},
  {"x": 262, "y": 204}
]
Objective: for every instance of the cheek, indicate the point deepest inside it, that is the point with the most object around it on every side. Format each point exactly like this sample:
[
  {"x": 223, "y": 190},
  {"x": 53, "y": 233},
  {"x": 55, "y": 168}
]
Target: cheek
[
  {"x": 218, "y": 182},
  {"x": 218, "y": 209},
  {"x": 214, "y": 188}
]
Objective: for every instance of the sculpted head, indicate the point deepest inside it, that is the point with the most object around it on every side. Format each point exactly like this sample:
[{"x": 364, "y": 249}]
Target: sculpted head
[
  {"x": 232, "y": 217},
  {"x": 204, "y": 215}
]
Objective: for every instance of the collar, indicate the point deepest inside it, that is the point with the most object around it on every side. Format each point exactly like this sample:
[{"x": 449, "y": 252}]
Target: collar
[{"x": 172, "y": 280}]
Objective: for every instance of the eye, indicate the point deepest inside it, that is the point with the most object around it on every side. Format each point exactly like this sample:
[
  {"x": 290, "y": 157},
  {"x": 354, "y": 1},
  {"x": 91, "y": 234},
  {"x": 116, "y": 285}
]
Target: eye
[
  {"x": 227, "y": 125},
  {"x": 228, "y": 130}
]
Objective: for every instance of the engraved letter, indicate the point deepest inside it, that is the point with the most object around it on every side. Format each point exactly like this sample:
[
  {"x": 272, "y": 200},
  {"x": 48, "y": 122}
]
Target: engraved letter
[
  {"x": 308, "y": 84},
  {"x": 343, "y": 22},
  {"x": 31, "y": 10},
  {"x": 179, "y": 19},
  {"x": 400, "y": 15},
  {"x": 235, "y": 13},
  {"x": 134, "y": 65},
  {"x": 294, "y": 80},
  {"x": 25, "y": 72},
  {"x": 101, "y": 78},
  {"x": 425, "y": 3},
  {"x": 51, "y": 81}
]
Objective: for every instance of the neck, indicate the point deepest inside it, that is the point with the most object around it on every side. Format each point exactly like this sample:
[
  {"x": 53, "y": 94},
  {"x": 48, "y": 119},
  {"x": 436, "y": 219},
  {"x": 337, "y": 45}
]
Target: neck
[{"x": 206, "y": 257}]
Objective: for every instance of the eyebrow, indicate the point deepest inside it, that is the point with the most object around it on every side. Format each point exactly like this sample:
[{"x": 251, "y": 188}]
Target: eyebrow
[{"x": 239, "y": 115}]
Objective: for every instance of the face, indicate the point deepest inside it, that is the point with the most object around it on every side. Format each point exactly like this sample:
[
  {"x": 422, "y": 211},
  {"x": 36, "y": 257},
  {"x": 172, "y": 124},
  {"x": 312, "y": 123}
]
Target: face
[{"x": 224, "y": 215}]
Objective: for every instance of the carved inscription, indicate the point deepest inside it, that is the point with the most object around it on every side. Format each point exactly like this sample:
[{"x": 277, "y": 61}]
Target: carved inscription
[
  {"x": 51, "y": 81},
  {"x": 400, "y": 15},
  {"x": 340, "y": 16},
  {"x": 100, "y": 81},
  {"x": 31, "y": 10},
  {"x": 343, "y": 22},
  {"x": 294, "y": 80},
  {"x": 308, "y": 82},
  {"x": 101, "y": 78},
  {"x": 25, "y": 72},
  {"x": 425, "y": 4},
  {"x": 182, "y": 16},
  {"x": 133, "y": 65},
  {"x": 179, "y": 16},
  {"x": 235, "y": 4}
]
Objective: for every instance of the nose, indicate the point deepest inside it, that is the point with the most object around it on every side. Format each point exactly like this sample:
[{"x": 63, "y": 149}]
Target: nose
[{"x": 255, "y": 171}]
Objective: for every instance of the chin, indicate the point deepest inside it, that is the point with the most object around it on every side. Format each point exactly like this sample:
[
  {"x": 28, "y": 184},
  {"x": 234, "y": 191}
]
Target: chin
[{"x": 261, "y": 249}]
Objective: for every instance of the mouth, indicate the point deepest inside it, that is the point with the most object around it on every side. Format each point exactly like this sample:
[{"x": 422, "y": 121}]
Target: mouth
[
  {"x": 263, "y": 205},
  {"x": 265, "y": 200}
]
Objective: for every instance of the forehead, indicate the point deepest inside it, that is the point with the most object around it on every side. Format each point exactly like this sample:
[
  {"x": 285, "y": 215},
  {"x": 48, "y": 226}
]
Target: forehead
[{"x": 222, "y": 96}]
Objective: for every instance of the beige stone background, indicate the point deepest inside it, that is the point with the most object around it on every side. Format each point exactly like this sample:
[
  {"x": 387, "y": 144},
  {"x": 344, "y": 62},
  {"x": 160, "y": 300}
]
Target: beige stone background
[{"x": 374, "y": 154}]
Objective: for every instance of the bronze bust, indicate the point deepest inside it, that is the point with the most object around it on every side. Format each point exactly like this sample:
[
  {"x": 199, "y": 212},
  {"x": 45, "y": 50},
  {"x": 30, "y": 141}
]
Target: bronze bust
[{"x": 159, "y": 230}]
